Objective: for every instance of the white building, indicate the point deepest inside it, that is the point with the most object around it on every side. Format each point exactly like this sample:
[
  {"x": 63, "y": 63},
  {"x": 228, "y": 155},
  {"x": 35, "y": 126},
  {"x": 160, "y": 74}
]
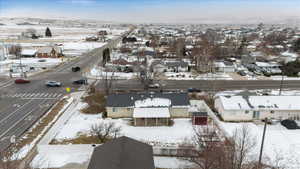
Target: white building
[
  {"x": 248, "y": 108},
  {"x": 224, "y": 67}
]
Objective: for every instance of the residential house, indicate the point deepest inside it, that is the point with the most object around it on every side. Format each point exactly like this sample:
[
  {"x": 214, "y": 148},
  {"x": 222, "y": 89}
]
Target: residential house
[
  {"x": 249, "y": 108},
  {"x": 49, "y": 52},
  {"x": 128, "y": 105},
  {"x": 224, "y": 66},
  {"x": 177, "y": 66},
  {"x": 122, "y": 153}
]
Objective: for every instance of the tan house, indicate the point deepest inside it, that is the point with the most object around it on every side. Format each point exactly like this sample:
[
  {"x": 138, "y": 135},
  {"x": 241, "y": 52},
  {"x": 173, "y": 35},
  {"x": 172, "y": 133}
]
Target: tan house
[
  {"x": 49, "y": 52},
  {"x": 249, "y": 108},
  {"x": 148, "y": 108}
]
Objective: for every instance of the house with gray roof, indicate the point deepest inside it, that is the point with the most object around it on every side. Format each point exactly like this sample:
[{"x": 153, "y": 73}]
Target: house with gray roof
[
  {"x": 150, "y": 105},
  {"x": 122, "y": 153}
]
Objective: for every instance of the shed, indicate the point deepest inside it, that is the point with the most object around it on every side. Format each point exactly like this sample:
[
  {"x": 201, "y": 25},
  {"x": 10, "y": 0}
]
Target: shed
[{"x": 122, "y": 153}]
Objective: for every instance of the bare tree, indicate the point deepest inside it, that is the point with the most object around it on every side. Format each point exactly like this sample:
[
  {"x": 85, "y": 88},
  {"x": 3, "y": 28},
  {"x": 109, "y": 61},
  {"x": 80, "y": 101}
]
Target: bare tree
[
  {"x": 105, "y": 131},
  {"x": 215, "y": 153},
  {"x": 15, "y": 50}
]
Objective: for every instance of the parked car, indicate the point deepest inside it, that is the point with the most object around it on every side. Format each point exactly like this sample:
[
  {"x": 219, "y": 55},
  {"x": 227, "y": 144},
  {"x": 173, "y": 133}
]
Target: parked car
[
  {"x": 80, "y": 82},
  {"x": 53, "y": 84},
  {"x": 242, "y": 73},
  {"x": 75, "y": 69},
  {"x": 191, "y": 90},
  {"x": 154, "y": 85},
  {"x": 290, "y": 124},
  {"x": 21, "y": 81}
]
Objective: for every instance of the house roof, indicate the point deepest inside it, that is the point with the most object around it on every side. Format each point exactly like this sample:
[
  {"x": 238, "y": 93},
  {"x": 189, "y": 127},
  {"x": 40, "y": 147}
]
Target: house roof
[
  {"x": 122, "y": 153},
  {"x": 29, "y": 52},
  {"x": 260, "y": 102},
  {"x": 153, "y": 102},
  {"x": 151, "y": 112},
  {"x": 176, "y": 63},
  {"x": 128, "y": 99},
  {"x": 48, "y": 49}
]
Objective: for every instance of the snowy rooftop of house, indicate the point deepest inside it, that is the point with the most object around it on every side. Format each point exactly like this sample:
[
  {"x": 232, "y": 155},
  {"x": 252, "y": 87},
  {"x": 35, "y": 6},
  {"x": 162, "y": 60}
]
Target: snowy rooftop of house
[
  {"x": 289, "y": 54},
  {"x": 150, "y": 112},
  {"x": 260, "y": 102},
  {"x": 153, "y": 102},
  {"x": 28, "y": 52}
]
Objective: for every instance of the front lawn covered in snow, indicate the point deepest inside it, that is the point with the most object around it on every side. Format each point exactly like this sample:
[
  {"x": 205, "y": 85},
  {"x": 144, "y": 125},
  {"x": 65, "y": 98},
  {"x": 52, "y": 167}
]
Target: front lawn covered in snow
[{"x": 80, "y": 124}]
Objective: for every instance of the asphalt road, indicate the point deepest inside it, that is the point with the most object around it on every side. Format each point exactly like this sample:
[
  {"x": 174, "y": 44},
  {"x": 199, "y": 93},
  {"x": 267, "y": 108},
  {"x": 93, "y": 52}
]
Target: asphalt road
[
  {"x": 21, "y": 105},
  {"x": 206, "y": 85}
]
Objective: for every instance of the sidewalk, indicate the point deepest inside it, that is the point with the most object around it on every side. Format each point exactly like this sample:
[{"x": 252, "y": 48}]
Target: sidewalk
[{"x": 67, "y": 113}]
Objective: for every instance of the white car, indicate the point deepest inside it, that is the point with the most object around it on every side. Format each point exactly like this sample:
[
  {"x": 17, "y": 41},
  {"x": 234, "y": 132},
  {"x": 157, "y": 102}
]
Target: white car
[
  {"x": 154, "y": 85},
  {"x": 53, "y": 84}
]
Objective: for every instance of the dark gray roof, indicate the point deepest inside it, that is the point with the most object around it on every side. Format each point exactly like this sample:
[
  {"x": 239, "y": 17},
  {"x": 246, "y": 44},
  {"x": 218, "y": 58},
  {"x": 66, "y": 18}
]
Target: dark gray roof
[
  {"x": 128, "y": 99},
  {"x": 177, "y": 63},
  {"x": 199, "y": 114},
  {"x": 122, "y": 153}
]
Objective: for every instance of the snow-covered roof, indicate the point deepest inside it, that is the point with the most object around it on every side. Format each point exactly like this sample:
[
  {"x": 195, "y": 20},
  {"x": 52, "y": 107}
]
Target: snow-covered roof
[
  {"x": 150, "y": 112},
  {"x": 262, "y": 64},
  {"x": 289, "y": 54},
  {"x": 28, "y": 52},
  {"x": 153, "y": 102},
  {"x": 260, "y": 102}
]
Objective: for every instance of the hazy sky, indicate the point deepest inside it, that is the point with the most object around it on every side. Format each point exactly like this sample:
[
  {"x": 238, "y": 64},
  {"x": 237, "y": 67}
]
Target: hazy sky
[{"x": 153, "y": 10}]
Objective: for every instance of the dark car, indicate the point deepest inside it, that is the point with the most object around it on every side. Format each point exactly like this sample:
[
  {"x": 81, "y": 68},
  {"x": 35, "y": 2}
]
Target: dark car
[
  {"x": 75, "y": 69},
  {"x": 21, "y": 81},
  {"x": 191, "y": 90},
  {"x": 242, "y": 73},
  {"x": 53, "y": 84},
  {"x": 80, "y": 82},
  {"x": 290, "y": 124}
]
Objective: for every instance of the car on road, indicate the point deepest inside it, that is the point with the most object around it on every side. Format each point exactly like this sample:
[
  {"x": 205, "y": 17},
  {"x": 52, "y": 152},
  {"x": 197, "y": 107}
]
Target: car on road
[
  {"x": 242, "y": 73},
  {"x": 80, "y": 82},
  {"x": 191, "y": 90},
  {"x": 76, "y": 69},
  {"x": 21, "y": 81},
  {"x": 154, "y": 85},
  {"x": 53, "y": 84}
]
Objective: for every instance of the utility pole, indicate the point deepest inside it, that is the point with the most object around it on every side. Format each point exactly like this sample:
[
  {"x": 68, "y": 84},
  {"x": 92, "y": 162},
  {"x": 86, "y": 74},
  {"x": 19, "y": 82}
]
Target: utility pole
[
  {"x": 262, "y": 144},
  {"x": 281, "y": 84}
]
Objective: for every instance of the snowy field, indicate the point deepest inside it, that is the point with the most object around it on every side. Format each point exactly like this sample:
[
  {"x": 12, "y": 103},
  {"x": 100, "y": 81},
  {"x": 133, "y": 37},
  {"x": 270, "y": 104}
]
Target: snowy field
[
  {"x": 163, "y": 136},
  {"x": 98, "y": 73}
]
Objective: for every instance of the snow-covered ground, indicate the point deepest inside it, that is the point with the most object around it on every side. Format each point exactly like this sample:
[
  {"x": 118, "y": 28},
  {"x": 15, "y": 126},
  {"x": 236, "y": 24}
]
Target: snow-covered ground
[
  {"x": 98, "y": 73},
  {"x": 281, "y": 145},
  {"x": 80, "y": 123},
  {"x": 190, "y": 76},
  {"x": 37, "y": 63},
  {"x": 284, "y": 78}
]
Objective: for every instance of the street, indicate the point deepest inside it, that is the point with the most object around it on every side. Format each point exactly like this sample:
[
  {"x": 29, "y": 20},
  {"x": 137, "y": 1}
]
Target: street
[{"x": 21, "y": 105}]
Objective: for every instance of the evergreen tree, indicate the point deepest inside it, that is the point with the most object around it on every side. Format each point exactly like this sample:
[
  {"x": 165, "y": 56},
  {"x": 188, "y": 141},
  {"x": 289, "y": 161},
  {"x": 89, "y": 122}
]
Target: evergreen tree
[
  {"x": 296, "y": 46},
  {"x": 48, "y": 32}
]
